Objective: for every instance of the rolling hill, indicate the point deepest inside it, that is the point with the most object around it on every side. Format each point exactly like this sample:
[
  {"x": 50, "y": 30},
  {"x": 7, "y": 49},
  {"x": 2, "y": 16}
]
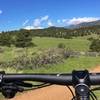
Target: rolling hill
[{"x": 85, "y": 24}]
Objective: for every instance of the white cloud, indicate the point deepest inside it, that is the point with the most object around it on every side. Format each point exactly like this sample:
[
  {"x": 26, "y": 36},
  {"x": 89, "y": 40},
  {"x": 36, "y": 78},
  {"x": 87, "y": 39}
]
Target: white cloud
[
  {"x": 45, "y": 18},
  {"x": 64, "y": 20},
  {"x": 37, "y": 23},
  {"x": 79, "y": 20},
  {"x": 45, "y": 21},
  {"x": 1, "y": 11},
  {"x": 50, "y": 23},
  {"x": 25, "y": 22},
  {"x": 28, "y": 27},
  {"x": 32, "y": 27}
]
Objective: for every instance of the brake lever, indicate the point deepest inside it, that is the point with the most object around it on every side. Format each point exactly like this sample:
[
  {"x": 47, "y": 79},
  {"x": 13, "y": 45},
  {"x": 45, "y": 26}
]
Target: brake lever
[{"x": 9, "y": 90}]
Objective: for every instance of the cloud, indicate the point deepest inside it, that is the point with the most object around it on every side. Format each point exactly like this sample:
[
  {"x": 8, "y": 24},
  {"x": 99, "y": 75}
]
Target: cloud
[
  {"x": 32, "y": 27},
  {"x": 79, "y": 20},
  {"x": 50, "y": 23},
  {"x": 36, "y": 22},
  {"x": 28, "y": 27},
  {"x": 45, "y": 21},
  {"x": 64, "y": 20},
  {"x": 1, "y": 11},
  {"x": 25, "y": 22},
  {"x": 45, "y": 18}
]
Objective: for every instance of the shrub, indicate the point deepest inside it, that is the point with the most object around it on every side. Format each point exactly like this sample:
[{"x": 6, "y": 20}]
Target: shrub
[
  {"x": 1, "y": 50},
  {"x": 23, "y": 39},
  {"x": 95, "y": 45},
  {"x": 61, "y": 45},
  {"x": 5, "y": 40},
  {"x": 44, "y": 58},
  {"x": 90, "y": 39}
]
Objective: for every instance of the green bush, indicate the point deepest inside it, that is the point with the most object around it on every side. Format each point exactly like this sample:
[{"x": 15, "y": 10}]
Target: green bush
[
  {"x": 5, "y": 40},
  {"x": 90, "y": 39},
  {"x": 95, "y": 45},
  {"x": 23, "y": 39},
  {"x": 61, "y": 45}
]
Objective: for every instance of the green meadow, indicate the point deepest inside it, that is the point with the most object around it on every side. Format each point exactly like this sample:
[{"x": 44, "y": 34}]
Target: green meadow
[{"x": 76, "y": 44}]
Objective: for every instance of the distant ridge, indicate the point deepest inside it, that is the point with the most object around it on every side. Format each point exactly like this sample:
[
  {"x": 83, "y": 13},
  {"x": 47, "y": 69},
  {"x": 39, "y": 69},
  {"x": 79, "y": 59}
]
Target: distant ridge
[{"x": 84, "y": 24}]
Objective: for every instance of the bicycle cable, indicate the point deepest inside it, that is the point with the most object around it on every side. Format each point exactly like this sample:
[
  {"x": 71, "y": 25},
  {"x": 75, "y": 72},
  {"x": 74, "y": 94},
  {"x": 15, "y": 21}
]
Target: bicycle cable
[
  {"x": 38, "y": 87},
  {"x": 93, "y": 95},
  {"x": 71, "y": 92}
]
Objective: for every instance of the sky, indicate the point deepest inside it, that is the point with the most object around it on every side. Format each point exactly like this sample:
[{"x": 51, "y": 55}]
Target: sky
[{"x": 37, "y": 14}]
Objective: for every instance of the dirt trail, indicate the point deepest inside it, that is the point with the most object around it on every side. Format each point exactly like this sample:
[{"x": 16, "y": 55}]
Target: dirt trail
[{"x": 53, "y": 92}]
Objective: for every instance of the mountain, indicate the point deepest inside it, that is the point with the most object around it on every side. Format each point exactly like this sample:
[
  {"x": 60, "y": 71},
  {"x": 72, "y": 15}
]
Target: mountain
[{"x": 85, "y": 24}]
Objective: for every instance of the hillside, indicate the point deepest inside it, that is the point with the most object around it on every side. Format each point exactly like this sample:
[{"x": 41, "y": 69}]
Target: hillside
[
  {"x": 85, "y": 24},
  {"x": 56, "y": 32},
  {"x": 62, "y": 32}
]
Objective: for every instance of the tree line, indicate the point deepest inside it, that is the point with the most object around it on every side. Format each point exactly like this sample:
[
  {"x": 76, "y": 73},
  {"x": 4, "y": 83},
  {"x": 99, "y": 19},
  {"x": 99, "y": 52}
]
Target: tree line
[{"x": 20, "y": 38}]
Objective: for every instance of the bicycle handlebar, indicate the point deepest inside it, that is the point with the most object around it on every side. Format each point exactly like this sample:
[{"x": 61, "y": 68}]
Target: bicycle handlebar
[
  {"x": 80, "y": 80},
  {"x": 60, "y": 79}
]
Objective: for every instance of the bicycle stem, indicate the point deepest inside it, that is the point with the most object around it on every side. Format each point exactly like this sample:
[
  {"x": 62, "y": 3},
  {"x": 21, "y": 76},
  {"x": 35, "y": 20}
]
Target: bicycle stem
[{"x": 81, "y": 84}]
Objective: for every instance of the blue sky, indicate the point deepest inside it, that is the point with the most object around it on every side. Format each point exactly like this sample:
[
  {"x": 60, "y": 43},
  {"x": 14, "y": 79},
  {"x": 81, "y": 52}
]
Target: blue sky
[{"x": 31, "y": 14}]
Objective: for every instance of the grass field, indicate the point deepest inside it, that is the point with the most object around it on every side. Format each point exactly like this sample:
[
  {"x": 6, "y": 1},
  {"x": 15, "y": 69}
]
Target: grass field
[
  {"x": 77, "y": 44},
  {"x": 69, "y": 65}
]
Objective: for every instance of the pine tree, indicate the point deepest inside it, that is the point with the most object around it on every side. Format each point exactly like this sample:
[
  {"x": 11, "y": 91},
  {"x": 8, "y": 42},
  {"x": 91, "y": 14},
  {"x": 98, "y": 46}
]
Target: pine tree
[
  {"x": 95, "y": 45},
  {"x": 23, "y": 39},
  {"x": 5, "y": 39}
]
